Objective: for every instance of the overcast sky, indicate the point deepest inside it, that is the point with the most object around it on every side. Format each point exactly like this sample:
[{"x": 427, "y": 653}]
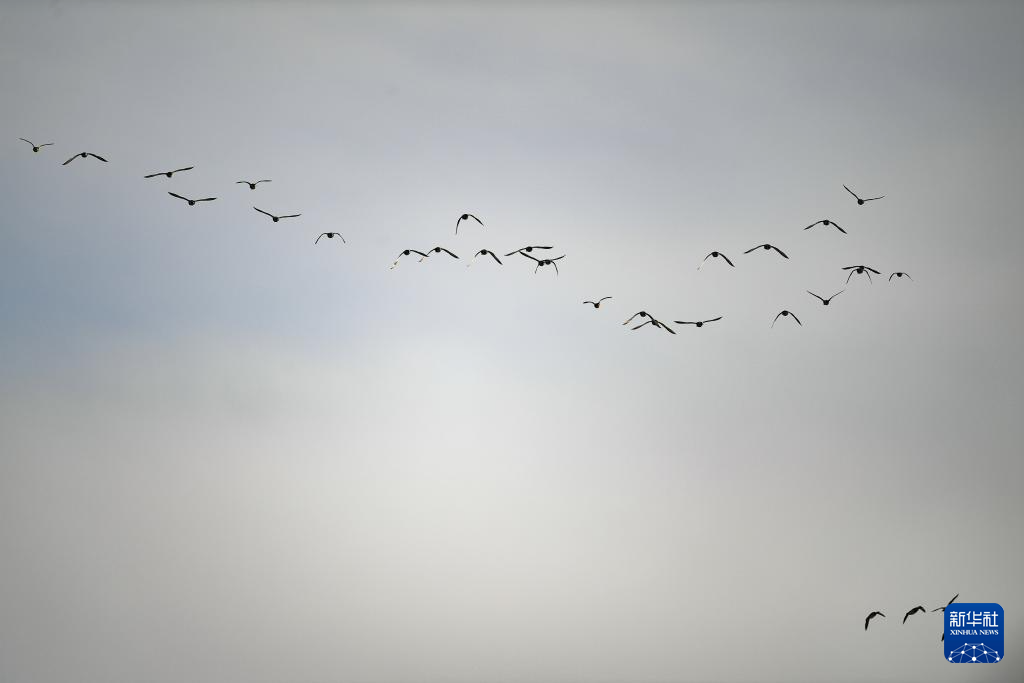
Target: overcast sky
[{"x": 228, "y": 455}]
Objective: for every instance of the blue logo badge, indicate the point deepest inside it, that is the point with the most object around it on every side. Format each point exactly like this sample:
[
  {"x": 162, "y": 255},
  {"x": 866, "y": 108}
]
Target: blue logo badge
[{"x": 974, "y": 633}]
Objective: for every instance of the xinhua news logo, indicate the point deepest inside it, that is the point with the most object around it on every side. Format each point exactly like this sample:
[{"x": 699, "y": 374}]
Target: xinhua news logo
[{"x": 974, "y": 633}]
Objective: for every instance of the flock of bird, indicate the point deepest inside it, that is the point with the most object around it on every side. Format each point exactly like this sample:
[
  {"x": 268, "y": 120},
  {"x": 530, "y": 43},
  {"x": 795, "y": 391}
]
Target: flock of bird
[
  {"x": 527, "y": 252},
  {"x": 912, "y": 612}
]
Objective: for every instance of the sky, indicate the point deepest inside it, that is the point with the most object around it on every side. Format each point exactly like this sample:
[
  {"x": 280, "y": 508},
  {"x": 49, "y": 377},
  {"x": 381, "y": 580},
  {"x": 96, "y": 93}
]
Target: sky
[{"x": 228, "y": 454}]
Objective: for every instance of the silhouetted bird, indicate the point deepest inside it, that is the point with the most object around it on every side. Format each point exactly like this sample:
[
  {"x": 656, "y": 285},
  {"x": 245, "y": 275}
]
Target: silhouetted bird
[
  {"x": 277, "y": 218},
  {"x": 484, "y": 252},
  {"x": 466, "y": 217},
  {"x": 84, "y": 155},
  {"x": 786, "y": 314},
  {"x": 860, "y": 201},
  {"x": 860, "y": 270},
  {"x": 715, "y": 254},
  {"x": 766, "y": 247},
  {"x": 252, "y": 185},
  {"x": 406, "y": 252},
  {"x": 192, "y": 202},
  {"x": 917, "y": 609},
  {"x": 826, "y": 222},
  {"x": 698, "y": 323},
  {"x": 642, "y": 314},
  {"x": 597, "y": 304},
  {"x": 825, "y": 301},
  {"x": 870, "y": 617},
  {"x": 526, "y": 249},
  {"x": 438, "y": 250},
  {"x": 656, "y": 323},
  {"x": 951, "y": 601},
  {"x": 899, "y": 275},
  {"x": 35, "y": 147},
  {"x": 330, "y": 236},
  {"x": 169, "y": 173},
  {"x": 544, "y": 262}
]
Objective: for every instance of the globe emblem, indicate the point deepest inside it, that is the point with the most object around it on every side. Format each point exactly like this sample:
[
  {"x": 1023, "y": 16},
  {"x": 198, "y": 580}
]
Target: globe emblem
[{"x": 973, "y": 653}]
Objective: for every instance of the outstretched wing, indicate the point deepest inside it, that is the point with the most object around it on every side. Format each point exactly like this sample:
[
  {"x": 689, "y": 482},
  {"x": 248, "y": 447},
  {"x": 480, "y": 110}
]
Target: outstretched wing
[
  {"x": 293, "y": 215},
  {"x": 69, "y": 160},
  {"x": 630, "y": 319},
  {"x": 264, "y": 212},
  {"x": 781, "y": 253},
  {"x": 495, "y": 257},
  {"x": 726, "y": 259},
  {"x": 713, "y": 319},
  {"x": 815, "y": 295},
  {"x": 839, "y": 228},
  {"x": 179, "y": 196},
  {"x": 851, "y": 192},
  {"x": 28, "y": 141},
  {"x": 97, "y": 156},
  {"x": 152, "y": 175},
  {"x": 773, "y": 325},
  {"x": 475, "y": 218},
  {"x": 812, "y": 225},
  {"x": 603, "y": 298},
  {"x": 206, "y": 199},
  {"x": 753, "y": 249},
  {"x": 646, "y": 322},
  {"x": 872, "y": 270},
  {"x": 324, "y": 233},
  {"x": 448, "y": 252},
  {"x": 187, "y": 168},
  {"x": 871, "y": 199},
  {"x": 796, "y": 319}
]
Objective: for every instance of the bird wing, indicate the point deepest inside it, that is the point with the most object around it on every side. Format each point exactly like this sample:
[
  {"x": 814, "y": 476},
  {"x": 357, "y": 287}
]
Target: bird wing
[
  {"x": 264, "y": 212},
  {"x": 726, "y": 259},
  {"x": 872, "y": 270},
  {"x": 475, "y": 218},
  {"x": 838, "y": 227},
  {"x": 69, "y": 160},
  {"x": 556, "y": 258},
  {"x": 178, "y": 196},
  {"x": 28, "y": 141},
  {"x": 891, "y": 277},
  {"x": 713, "y": 319},
  {"x": 778, "y": 250},
  {"x": 631, "y": 317},
  {"x": 836, "y": 294},
  {"x": 448, "y": 252},
  {"x": 523, "y": 253},
  {"x": 293, "y": 215},
  {"x": 552, "y": 262},
  {"x": 342, "y": 237},
  {"x": 590, "y": 302},
  {"x": 851, "y": 192},
  {"x": 152, "y": 175},
  {"x": 46, "y": 144},
  {"x": 773, "y": 325},
  {"x": 952, "y": 600},
  {"x": 265, "y": 180},
  {"x": 871, "y": 199},
  {"x": 849, "y": 276},
  {"x": 796, "y": 319},
  {"x": 96, "y": 156},
  {"x": 642, "y": 324},
  {"x": 206, "y": 199},
  {"x": 187, "y": 168},
  {"x": 683, "y": 322},
  {"x": 753, "y": 249},
  {"x": 603, "y": 298},
  {"x": 814, "y": 295},
  {"x": 324, "y": 233},
  {"x": 867, "y": 620},
  {"x": 812, "y": 225},
  {"x": 514, "y": 252},
  {"x": 242, "y": 182},
  {"x": 495, "y": 257},
  {"x": 664, "y": 326}
]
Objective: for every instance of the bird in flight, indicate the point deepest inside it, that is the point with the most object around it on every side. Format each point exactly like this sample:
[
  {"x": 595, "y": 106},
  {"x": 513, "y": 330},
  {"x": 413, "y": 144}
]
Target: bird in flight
[
  {"x": 826, "y": 222},
  {"x": 860, "y": 202},
  {"x": 84, "y": 155},
  {"x": 466, "y": 217},
  {"x": 766, "y": 247},
  {"x": 650, "y": 319},
  {"x": 484, "y": 252},
  {"x": 35, "y": 147},
  {"x": 192, "y": 202},
  {"x": 330, "y": 235},
  {"x": 252, "y": 184},
  {"x": 786, "y": 314},
  {"x": 698, "y": 323},
  {"x": 951, "y": 601},
  {"x": 825, "y": 301},
  {"x": 438, "y": 250},
  {"x": 597, "y": 304},
  {"x": 526, "y": 249},
  {"x": 860, "y": 270},
  {"x": 870, "y": 617},
  {"x": 917, "y": 609},
  {"x": 277, "y": 218},
  {"x": 406, "y": 252},
  {"x": 544, "y": 262},
  {"x": 898, "y": 275},
  {"x": 716, "y": 254},
  {"x": 169, "y": 173}
]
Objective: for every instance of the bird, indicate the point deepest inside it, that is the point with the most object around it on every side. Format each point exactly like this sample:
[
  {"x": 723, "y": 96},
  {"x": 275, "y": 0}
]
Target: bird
[
  {"x": 860, "y": 270},
  {"x": 917, "y": 609},
  {"x": 35, "y": 147},
  {"x": 951, "y": 601},
  {"x": 698, "y": 323},
  {"x": 466, "y": 217},
  {"x": 330, "y": 235},
  {"x": 277, "y": 218},
  {"x": 656, "y": 323},
  {"x": 84, "y": 155},
  {"x": 169, "y": 173},
  {"x": 192, "y": 202},
  {"x": 252, "y": 184},
  {"x": 860, "y": 202},
  {"x": 438, "y": 250},
  {"x": 597, "y": 304},
  {"x": 826, "y": 222},
  {"x": 899, "y": 274},
  {"x": 825, "y": 301},
  {"x": 716, "y": 254},
  {"x": 870, "y": 617},
  {"x": 766, "y": 247},
  {"x": 526, "y": 249},
  {"x": 785, "y": 314},
  {"x": 406, "y": 252},
  {"x": 544, "y": 262},
  {"x": 484, "y": 252}
]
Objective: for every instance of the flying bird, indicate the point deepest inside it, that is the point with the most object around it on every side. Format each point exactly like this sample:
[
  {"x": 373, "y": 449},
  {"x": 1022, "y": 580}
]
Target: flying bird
[
  {"x": 917, "y": 609},
  {"x": 484, "y": 252},
  {"x": 169, "y": 173},
  {"x": 35, "y": 147},
  {"x": 716, "y": 254},
  {"x": 438, "y": 250},
  {"x": 526, "y": 249},
  {"x": 860, "y": 270},
  {"x": 330, "y": 235},
  {"x": 597, "y": 304},
  {"x": 277, "y": 218},
  {"x": 656, "y": 323},
  {"x": 252, "y": 184},
  {"x": 825, "y": 301},
  {"x": 466, "y": 217},
  {"x": 943, "y": 609},
  {"x": 192, "y": 202},
  {"x": 406, "y": 252},
  {"x": 642, "y": 314},
  {"x": 766, "y": 247},
  {"x": 826, "y": 222},
  {"x": 899, "y": 275},
  {"x": 544, "y": 262},
  {"x": 786, "y": 314},
  {"x": 84, "y": 155},
  {"x": 860, "y": 202},
  {"x": 698, "y": 323},
  {"x": 870, "y": 617}
]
